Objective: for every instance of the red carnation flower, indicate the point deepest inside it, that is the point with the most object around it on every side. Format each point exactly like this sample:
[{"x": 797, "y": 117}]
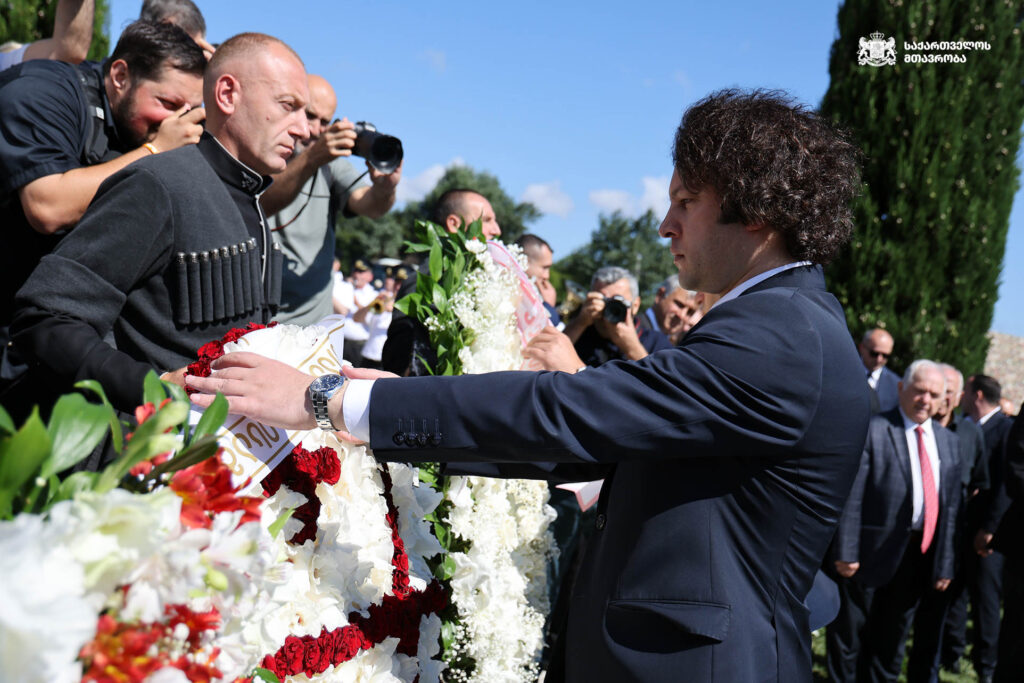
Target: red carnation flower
[
  {"x": 289, "y": 657},
  {"x": 211, "y": 350},
  {"x": 305, "y": 462},
  {"x": 233, "y": 335},
  {"x": 328, "y": 465}
]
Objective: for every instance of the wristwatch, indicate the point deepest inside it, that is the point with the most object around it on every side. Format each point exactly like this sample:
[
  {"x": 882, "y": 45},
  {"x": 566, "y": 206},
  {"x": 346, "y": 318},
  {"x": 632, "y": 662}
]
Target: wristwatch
[{"x": 320, "y": 392}]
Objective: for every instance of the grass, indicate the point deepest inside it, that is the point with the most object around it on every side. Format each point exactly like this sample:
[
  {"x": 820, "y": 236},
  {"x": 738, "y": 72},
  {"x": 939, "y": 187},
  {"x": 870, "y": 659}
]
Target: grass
[{"x": 819, "y": 672}]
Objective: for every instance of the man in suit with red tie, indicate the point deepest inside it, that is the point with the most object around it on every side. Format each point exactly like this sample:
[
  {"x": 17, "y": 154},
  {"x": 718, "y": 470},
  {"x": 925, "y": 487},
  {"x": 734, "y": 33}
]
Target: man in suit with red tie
[{"x": 897, "y": 530}]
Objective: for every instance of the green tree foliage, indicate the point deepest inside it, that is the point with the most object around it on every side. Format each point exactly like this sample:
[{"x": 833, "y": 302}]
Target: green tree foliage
[
  {"x": 940, "y": 140},
  {"x": 373, "y": 238},
  {"x": 26, "y": 21},
  {"x": 630, "y": 243}
]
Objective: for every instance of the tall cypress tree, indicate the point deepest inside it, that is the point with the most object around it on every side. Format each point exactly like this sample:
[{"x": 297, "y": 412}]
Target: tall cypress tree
[
  {"x": 940, "y": 142},
  {"x": 26, "y": 21}
]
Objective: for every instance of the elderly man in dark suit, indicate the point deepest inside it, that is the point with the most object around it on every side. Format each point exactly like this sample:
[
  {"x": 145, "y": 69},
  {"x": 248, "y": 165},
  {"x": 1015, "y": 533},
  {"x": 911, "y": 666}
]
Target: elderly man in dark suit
[
  {"x": 897, "y": 530},
  {"x": 727, "y": 460}
]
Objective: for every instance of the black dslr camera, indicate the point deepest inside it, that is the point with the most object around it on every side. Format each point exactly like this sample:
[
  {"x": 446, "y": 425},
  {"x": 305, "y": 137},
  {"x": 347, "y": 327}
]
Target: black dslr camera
[
  {"x": 384, "y": 152},
  {"x": 615, "y": 309}
]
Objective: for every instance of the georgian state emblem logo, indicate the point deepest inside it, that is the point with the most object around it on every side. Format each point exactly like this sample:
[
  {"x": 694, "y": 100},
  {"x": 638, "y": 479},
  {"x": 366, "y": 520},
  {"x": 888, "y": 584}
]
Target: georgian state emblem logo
[{"x": 877, "y": 51}]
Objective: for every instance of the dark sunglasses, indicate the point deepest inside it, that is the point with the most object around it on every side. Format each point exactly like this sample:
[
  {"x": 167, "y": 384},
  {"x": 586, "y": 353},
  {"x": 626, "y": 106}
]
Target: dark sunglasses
[{"x": 879, "y": 353}]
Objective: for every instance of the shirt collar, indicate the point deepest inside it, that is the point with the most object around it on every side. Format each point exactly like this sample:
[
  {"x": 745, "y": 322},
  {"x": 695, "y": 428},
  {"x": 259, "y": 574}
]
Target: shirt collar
[
  {"x": 231, "y": 170},
  {"x": 909, "y": 424},
  {"x": 757, "y": 279},
  {"x": 109, "y": 123},
  {"x": 987, "y": 416},
  {"x": 652, "y": 318}
]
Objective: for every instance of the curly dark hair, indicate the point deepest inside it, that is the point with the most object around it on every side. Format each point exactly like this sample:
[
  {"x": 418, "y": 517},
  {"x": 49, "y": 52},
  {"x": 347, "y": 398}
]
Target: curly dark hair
[{"x": 774, "y": 162}]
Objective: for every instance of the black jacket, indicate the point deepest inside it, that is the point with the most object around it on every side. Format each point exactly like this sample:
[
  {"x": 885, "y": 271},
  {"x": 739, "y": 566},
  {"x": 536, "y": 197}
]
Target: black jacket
[{"x": 170, "y": 255}]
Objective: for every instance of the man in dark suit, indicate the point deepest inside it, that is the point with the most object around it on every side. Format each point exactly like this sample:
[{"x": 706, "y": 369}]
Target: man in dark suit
[
  {"x": 727, "y": 460},
  {"x": 984, "y": 570},
  {"x": 974, "y": 471},
  {"x": 875, "y": 347},
  {"x": 897, "y": 530},
  {"x": 1009, "y": 540}
]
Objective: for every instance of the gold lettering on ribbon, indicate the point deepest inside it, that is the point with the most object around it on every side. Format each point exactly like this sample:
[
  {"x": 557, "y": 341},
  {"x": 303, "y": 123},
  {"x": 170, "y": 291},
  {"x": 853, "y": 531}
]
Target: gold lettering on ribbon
[{"x": 322, "y": 361}]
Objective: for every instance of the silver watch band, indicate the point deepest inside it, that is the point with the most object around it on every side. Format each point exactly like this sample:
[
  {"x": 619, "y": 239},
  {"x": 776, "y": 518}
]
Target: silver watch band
[{"x": 320, "y": 414}]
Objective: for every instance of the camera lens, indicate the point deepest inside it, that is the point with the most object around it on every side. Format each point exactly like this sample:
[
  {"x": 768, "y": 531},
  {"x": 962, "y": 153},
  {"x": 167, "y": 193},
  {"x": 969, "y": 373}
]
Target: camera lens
[
  {"x": 384, "y": 152},
  {"x": 614, "y": 309}
]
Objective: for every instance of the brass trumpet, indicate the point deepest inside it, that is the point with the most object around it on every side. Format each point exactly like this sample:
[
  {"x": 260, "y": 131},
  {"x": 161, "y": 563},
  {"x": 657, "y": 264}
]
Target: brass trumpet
[{"x": 575, "y": 295}]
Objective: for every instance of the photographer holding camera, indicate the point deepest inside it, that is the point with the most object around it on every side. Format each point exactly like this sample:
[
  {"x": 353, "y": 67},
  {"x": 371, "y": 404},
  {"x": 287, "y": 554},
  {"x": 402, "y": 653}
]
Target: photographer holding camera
[
  {"x": 319, "y": 181},
  {"x": 607, "y": 327}
]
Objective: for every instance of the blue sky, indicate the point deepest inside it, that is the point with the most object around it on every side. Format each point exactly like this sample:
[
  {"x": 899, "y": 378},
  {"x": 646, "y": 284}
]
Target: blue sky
[{"x": 571, "y": 105}]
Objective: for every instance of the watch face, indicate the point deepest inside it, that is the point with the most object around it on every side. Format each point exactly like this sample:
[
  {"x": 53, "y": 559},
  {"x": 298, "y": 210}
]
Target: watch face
[{"x": 326, "y": 383}]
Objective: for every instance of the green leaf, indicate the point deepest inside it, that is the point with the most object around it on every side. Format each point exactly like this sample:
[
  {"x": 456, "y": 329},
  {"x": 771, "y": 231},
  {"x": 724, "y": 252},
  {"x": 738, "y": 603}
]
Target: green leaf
[
  {"x": 213, "y": 417},
  {"x": 148, "y": 440},
  {"x": 416, "y": 247},
  {"x": 279, "y": 523},
  {"x": 6, "y": 423},
  {"x": 440, "y": 299},
  {"x": 448, "y": 634},
  {"x": 196, "y": 452},
  {"x": 176, "y": 393},
  {"x": 116, "y": 434},
  {"x": 476, "y": 230},
  {"x": 77, "y": 482},
  {"x": 153, "y": 389},
  {"x": 443, "y": 534},
  {"x": 435, "y": 261},
  {"x": 21, "y": 455},
  {"x": 446, "y": 568},
  {"x": 76, "y": 427},
  {"x": 265, "y": 675},
  {"x": 409, "y": 304}
]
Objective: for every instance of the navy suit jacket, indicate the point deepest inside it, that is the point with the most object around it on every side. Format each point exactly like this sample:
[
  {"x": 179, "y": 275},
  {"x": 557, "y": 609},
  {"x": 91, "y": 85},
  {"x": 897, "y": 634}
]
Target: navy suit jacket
[
  {"x": 888, "y": 390},
  {"x": 1010, "y": 536},
  {"x": 875, "y": 527},
  {"x": 988, "y": 507},
  {"x": 727, "y": 462}
]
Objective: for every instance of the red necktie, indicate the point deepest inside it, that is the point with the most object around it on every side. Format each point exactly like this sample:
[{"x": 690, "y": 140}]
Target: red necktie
[{"x": 931, "y": 497}]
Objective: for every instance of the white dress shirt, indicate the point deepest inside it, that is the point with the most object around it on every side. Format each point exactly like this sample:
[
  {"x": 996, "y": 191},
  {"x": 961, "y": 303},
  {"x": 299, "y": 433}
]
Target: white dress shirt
[
  {"x": 909, "y": 426},
  {"x": 873, "y": 377}
]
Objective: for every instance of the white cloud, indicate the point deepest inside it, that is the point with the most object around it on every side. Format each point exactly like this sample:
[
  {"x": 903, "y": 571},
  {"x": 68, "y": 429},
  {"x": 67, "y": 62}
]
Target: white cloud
[
  {"x": 549, "y": 198},
  {"x": 654, "y": 197},
  {"x": 415, "y": 188},
  {"x": 682, "y": 79},
  {"x": 612, "y": 200},
  {"x": 437, "y": 60}
]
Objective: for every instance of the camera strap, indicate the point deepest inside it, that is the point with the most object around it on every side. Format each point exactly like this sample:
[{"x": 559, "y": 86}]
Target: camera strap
[{"x": 309, "y": 196}]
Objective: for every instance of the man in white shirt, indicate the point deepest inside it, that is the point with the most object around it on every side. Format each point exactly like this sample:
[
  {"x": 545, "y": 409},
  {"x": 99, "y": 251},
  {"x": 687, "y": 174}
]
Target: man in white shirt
[
  {"x": 363, "y": 293},
  {"x": 896, "y": 538}
]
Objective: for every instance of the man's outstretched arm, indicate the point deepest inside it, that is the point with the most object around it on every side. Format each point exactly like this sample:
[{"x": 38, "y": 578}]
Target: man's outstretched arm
[{"x": 72, "y": 33}]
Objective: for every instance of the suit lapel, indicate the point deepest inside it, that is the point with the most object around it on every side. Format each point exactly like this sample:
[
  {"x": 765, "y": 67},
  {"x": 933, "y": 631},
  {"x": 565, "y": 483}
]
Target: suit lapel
[
  {"x": 899, "y": 441},
  {"x": 946, "y": 455}
]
